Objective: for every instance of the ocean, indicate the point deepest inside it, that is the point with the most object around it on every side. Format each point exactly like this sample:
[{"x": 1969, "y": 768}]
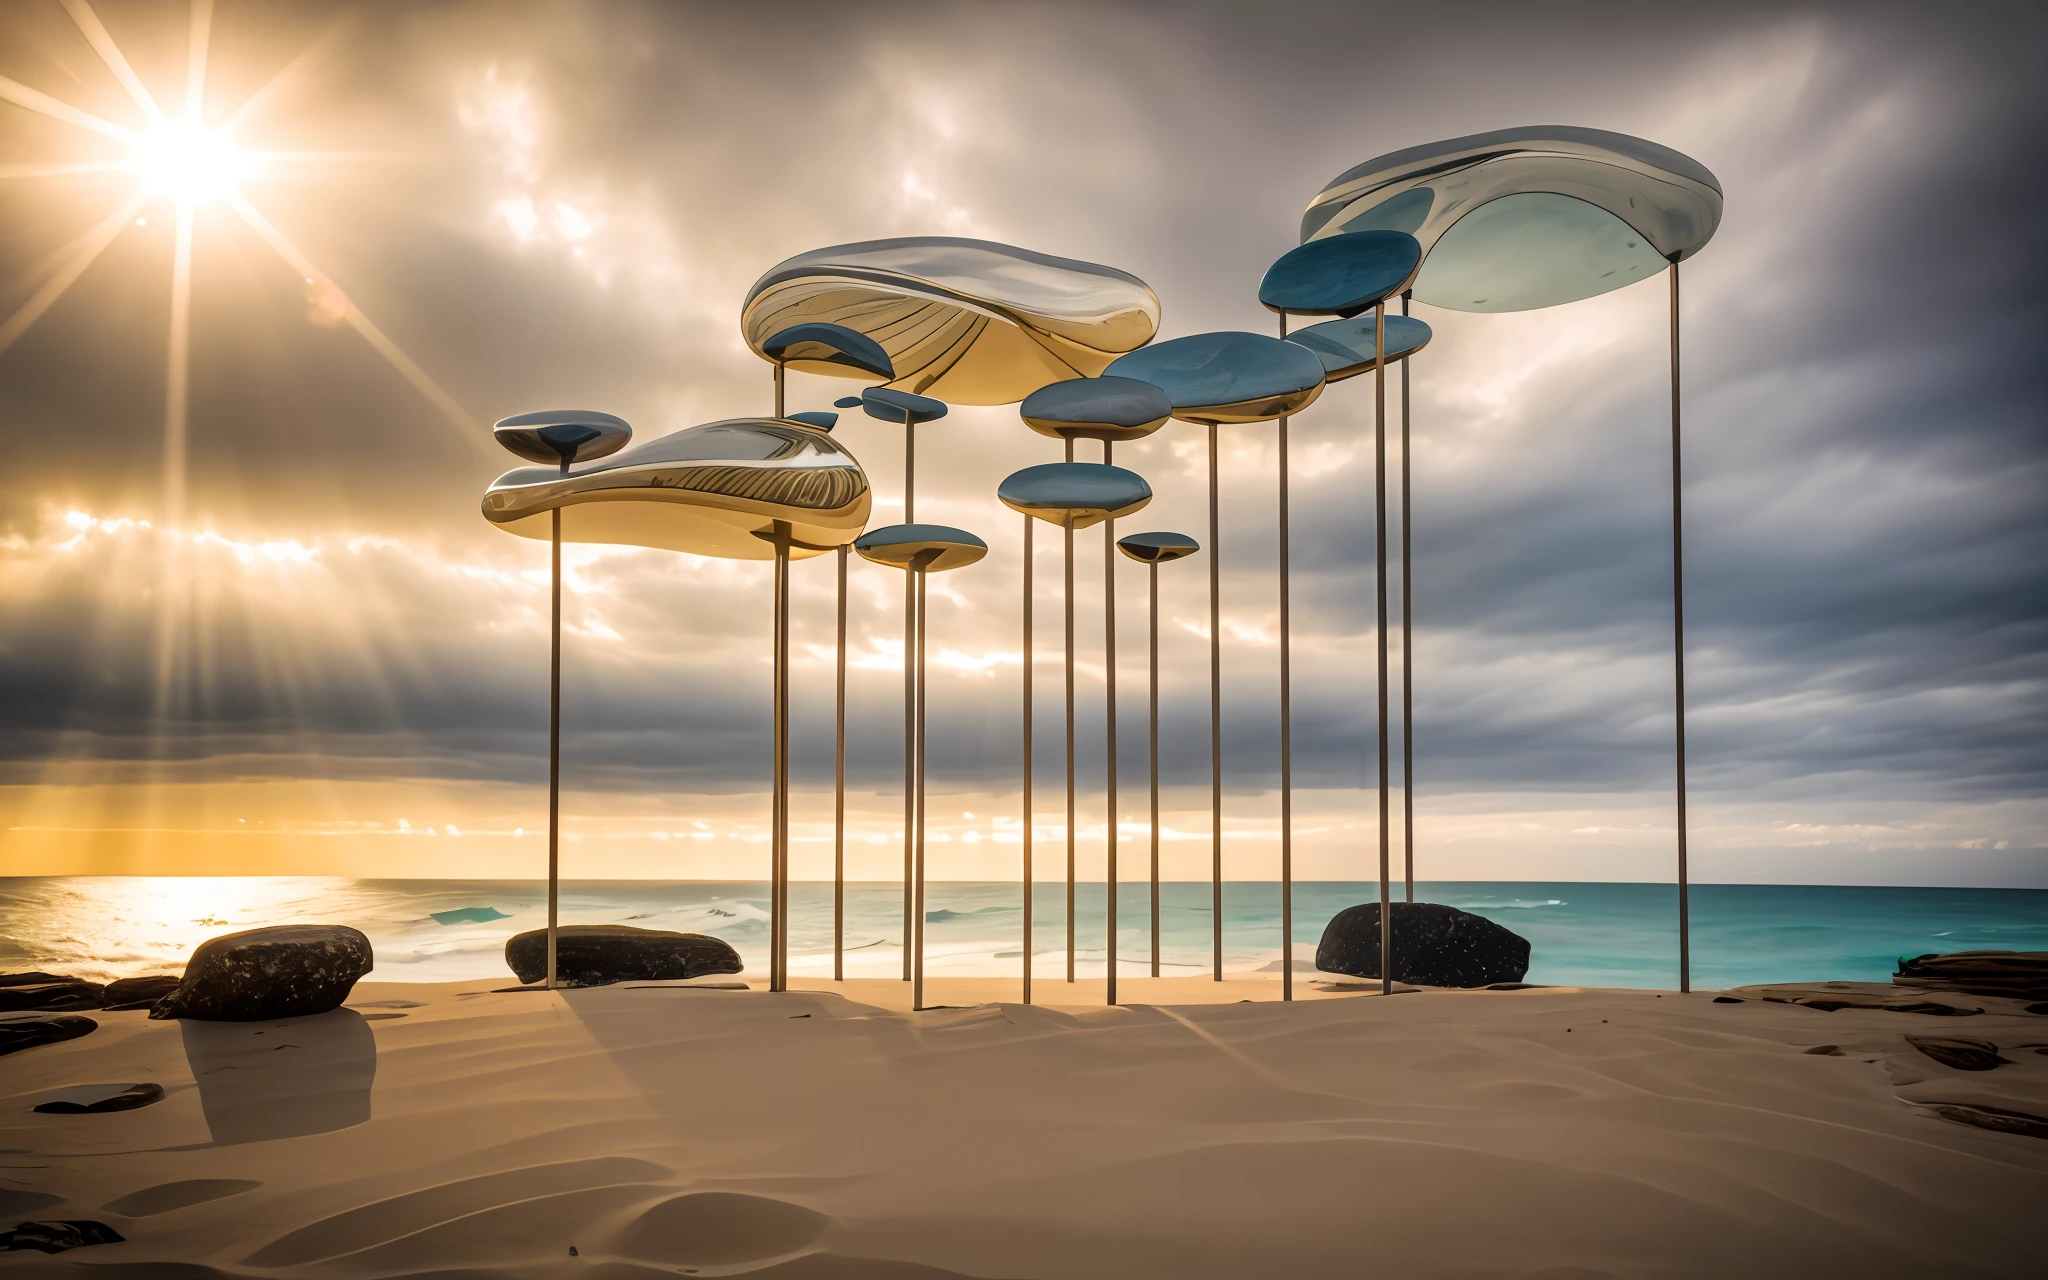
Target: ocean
[{"x": 1581, "y": 934}]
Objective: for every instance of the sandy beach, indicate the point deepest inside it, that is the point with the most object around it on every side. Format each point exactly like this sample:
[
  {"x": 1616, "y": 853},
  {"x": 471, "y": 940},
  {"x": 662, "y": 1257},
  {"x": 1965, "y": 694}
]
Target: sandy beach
[{"x": 453, "y": 1130}]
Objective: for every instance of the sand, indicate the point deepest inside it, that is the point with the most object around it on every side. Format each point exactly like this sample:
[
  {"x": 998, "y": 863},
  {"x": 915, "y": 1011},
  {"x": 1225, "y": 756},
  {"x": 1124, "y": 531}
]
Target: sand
[{"x": 829, "y": 1134}]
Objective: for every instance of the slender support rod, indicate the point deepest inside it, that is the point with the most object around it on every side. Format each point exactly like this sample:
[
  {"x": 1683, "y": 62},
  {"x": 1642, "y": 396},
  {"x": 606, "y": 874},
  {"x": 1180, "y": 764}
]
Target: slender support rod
[
  {"x": 779, "y": 892},
  {"x": 1379, "y": 448},
  {"x": 1215, "y": 718},
  {"x": 909, "y": 693},
  {"x": 1069, "y": 531},
  {"x": 778, "y": 390},
  {"x": 1286, "y": 730},
  {"x": 1152, "y": 684},
  {"x": 555, "y": 741},
  {"x": 917, "y": 982},
  {"x": 1109, "y": 725},
  {"x": 1407, "y": 652},
  {"x": 839, "y": 780},
  {"x": 1678, "y": 643},
  {"x": 1030, "y": 833}
]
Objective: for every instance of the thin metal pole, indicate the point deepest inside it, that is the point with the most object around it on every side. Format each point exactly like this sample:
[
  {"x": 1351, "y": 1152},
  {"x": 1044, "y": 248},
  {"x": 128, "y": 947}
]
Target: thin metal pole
[
  {"x": 1069, "y": 541},
  {"x": 917, "y": 983},
  {"x": 1152, "y": 684},
  {"x": 1286, "y": 730},
  {"x": 1109, "y": 723},
  {"x": 778, "y": 858},
  {"x": 1379, "y": 446},
  {"x": 778, "y": 390},
  {"x": 1678, "y": 644},
  {"x": 555, "y": 741},
  {"x": 1407, "y": 651},
  {"x": 839, "y": 782},
  {"x": 1030, "y": 833},
  {"x": 1215, "y": 717},
  {"x": 909, "y": 693}
]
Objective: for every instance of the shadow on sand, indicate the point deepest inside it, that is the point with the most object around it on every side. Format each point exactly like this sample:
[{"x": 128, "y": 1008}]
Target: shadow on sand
[{"x": 259, "y": 1081}]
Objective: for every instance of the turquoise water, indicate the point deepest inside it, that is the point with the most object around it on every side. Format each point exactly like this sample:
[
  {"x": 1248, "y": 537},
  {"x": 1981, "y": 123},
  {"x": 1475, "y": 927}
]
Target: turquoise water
[{"x": 1595, "y": 934}]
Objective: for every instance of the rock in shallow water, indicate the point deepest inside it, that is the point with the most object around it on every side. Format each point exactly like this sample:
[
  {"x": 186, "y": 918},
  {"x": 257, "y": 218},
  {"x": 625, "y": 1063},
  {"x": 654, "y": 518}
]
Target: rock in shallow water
[
  {"x": 2020, "y": 974},
  {"x": 596, "y": 955},
  {"x": 138, "y": 993},
  {"x": 286, "y": 971},
  {"x": 27, "y": 1030},
  {"x": 46, "y": 991},
  {"x": 1434, "y": 945}
]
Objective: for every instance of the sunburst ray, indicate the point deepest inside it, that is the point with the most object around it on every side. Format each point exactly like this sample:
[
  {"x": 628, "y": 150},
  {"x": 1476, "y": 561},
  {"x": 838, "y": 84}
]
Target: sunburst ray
[
  {"x": 84, "y": 249},
  {"x": 43, "y": 104},
  {"x": 96, "y": 35}
]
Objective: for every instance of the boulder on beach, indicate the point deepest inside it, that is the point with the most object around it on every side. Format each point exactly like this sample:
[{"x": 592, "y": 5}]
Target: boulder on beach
[
  {"x": 2022, "y": 975},
  {"x": 54, "y": 1236},
  {"x": 596, "y": 955},
  {"x": 138, "y": 993},
  {"x": 1434, "y": 945},
  {"x": 27, "y": 1030},
  {"x": 285, "y": 971},
  {"x": 48, "y": 992}
]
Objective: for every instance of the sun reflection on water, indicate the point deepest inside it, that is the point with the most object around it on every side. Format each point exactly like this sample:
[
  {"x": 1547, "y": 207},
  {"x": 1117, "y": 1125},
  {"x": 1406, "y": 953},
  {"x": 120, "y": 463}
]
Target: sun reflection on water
[{"x": 112, "y": 927}]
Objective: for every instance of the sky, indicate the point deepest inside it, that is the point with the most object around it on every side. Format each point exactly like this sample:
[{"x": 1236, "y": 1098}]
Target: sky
[{"x": 252, "y": 622}]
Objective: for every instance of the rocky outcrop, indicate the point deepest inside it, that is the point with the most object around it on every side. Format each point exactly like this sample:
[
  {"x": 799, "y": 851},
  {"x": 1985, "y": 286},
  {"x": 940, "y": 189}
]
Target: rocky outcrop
[
  {"x": 47, "y": 992},
  {"x": 138, "y": 993},
  {"x": 98, "y": 1099},
  {"x": 27, "y": 1030},
  {"x": 596, "y": 955},
  {"x": 2023, "y": 975},
  {"x": 55, "y": 1236},
  {"x": 1434, "y": 945},
  {"x": 1964, "y": 1053},
  {"x": 286, "y": 971},
  {"x": 1827, "y": 997}
]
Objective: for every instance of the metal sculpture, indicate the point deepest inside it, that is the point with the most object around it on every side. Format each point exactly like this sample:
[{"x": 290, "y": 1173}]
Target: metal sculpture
[
  {"x": 562, "y": 437},
  {"x": 1153, "y": 550},
  {"x": 919, "y": 549},
  {"x": 1078, "y": 495},
  {"x": 741, "y": 489},
  {"x": 1533, "y": 217},
  {"x": 1213, "y": 378}
]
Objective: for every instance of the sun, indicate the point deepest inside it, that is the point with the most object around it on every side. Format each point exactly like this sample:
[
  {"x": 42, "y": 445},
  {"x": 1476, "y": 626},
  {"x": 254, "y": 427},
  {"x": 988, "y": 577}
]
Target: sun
[{"x": 189, "y": 162}]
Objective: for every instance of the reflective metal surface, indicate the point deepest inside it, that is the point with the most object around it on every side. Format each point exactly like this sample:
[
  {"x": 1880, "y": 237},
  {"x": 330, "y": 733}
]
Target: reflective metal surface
[
  {"x": 830, "y": 349},
  {"x": 1107, "y": 409},
  {"x": 969, "y": 320},
  {"x": 1530, "y": 217},
  {"x": 713, "y": 490},
  {"x": 897, "y": 406},
  {"x": 819, "y": 418},
  {"x": 1074, "y": 495},
  {"x": 1157, "y": 548},
  {"x": 1227, "y": 376},
  {"x": 562, "y": 437},
  {"x": 1341, "y": 275},
  {"x": 928, "y": 548},
  {"x": 1346, "y": 346}
]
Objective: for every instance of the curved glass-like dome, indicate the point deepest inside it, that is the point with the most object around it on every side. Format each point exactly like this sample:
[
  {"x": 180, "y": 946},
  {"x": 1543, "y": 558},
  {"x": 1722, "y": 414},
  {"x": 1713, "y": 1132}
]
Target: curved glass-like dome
[
  {"x": 1521, "y": 219},
  {"x": 715, "y": 490},
  {"x": 926, "y": 548},
  {"x": 1228, "y": 376},
  {"x": 969, "y": 321}
]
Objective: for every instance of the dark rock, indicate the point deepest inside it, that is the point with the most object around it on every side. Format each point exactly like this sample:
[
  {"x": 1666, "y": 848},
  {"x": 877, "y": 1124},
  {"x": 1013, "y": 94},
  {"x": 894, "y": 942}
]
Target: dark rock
[
  {"x": 1827, "y": 997},
  {"x": 27, "y": 1030},
  {"x": 1996, "y": 1119},
  {"x": 2022, "y": 975},
  {"x": 1434, "y": 945},
  {"x": 1727, "y": 999},
  {"x": 24, "y": 979},
  {"x": 56, "y": 1237},
  {"x": 2038, "y": 1008},
  {"x": 98, "y": 1099},
  {"x": 44, "y": 991},
  {"x": 596, "y": 955},
  {"x": 1826, "y": 1051},
  {"x": 1961, "y": 1052},
  {"x": 138, "y": 993},
  {"x": 286, "y": 971}
]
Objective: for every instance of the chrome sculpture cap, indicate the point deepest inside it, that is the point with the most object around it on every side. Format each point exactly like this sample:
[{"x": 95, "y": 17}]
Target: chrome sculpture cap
[
  {"x": 562, "y": 437},
  {"x": 1157, "y": 548},
  {"x": 971, "y": 321},
  {"x": 831, "y": 349},
  {"x": 1520, "y": 219},
  {"x": 900, "y": 406},
  {"x": 818, "y": 418},
  {"x": 1342, "y": 275},
  {"x": 729, "y": 489},
  {"x": 1346, "y": 347},
  {"x": 1074, "y": 495},
  {"x": 1228, "y": 376},
  {"x": 921, "y": 548},
  {"x": 1097, "y": 409}
]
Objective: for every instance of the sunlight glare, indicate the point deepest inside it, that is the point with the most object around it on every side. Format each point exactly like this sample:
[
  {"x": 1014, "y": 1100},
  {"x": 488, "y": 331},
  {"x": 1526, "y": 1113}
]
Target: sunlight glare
[{"x": 189, "y": 162}]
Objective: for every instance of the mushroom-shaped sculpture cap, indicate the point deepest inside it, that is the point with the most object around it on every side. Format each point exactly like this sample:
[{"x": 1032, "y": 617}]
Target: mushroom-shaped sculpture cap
[
  {"x": 1228, "y": 377},
  {"x": 926, "y": 548},
  {"x": 1341, "y": 275},
  {"x": 1157, "y": 548},
  {"x": 972, "y": 321},
  {"x": 818, "y": 418},
  {"x": 1347, "y": 347},
  {"x": 901, "y": 406},
  {"x": 562, "y": 437},
  {"x": 1097, "y": 409},
  {"x": 1074, "y": 495},
  {"x": 1525, "y": 218},
  {"x": 716, "y": 490},
  {"x": 830, "y": 349}
]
